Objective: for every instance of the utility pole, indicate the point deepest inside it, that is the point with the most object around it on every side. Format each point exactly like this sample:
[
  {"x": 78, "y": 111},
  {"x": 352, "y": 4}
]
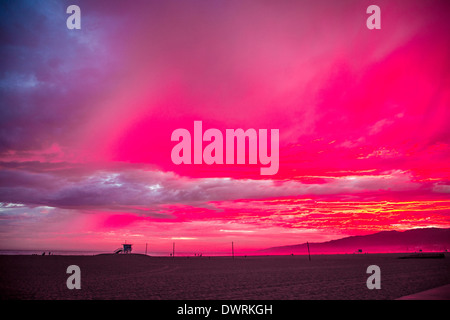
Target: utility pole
[
  {"x": 232, "y": 249},
  {"x": 309, "y": 254},
  {"x": 145, "y": 248},
  {"x": 173, "y": 250}
]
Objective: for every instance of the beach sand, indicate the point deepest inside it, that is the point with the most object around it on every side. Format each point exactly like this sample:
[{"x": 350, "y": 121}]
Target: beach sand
[
  {"x": 439, "y": 293},
  {"x": 136, "y": 276}
]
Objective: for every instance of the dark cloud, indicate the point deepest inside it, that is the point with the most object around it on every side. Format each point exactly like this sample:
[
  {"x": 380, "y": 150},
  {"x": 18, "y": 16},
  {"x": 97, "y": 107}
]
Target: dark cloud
[
  {"x": 48, "y": 73},
  {"x": 130, "y": 189}
]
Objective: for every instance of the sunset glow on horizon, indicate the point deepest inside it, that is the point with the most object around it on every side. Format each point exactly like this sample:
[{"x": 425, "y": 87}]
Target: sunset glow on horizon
[{"x": 87, "y": 117}]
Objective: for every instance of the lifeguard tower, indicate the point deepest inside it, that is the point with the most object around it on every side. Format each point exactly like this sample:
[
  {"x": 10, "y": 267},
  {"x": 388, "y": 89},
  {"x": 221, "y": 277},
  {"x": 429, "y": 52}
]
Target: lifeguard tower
[{"x": 126, "y": 248}]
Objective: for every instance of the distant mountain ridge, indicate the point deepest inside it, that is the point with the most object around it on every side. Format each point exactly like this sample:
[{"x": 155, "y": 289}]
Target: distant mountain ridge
[{"x": 426, "y": 239}]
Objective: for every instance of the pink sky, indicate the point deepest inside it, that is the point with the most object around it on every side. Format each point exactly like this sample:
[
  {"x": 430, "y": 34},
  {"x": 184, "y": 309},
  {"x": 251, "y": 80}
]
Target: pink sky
[{"x": 87, "y": 116}]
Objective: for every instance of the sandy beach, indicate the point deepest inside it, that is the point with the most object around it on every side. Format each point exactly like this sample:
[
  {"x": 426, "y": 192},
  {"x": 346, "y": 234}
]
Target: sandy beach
[{"x": 136, "y": 276}]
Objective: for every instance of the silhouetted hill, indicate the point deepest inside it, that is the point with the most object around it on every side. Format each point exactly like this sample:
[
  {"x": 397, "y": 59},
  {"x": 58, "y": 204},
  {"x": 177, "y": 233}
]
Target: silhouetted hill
[{"x": 426, "y": 239}]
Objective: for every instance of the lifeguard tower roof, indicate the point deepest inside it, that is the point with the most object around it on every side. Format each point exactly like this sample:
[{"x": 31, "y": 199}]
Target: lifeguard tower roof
[{"x": 126, "y": 247}]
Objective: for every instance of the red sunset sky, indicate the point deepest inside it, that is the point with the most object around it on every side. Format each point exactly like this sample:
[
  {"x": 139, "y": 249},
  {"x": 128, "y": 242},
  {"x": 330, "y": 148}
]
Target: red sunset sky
[{"x": 87, "y": 116}]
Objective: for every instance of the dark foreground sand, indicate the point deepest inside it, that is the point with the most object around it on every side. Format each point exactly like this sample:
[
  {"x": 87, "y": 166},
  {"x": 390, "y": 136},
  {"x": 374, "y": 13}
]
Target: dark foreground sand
[{"x": 266, "y": 277}]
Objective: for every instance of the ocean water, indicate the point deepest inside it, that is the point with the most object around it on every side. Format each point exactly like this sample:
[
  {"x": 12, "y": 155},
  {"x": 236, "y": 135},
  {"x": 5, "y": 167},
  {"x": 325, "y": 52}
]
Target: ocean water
[
  {"x": 92, "y": 253},
  {"x": 56, "y": 252}
]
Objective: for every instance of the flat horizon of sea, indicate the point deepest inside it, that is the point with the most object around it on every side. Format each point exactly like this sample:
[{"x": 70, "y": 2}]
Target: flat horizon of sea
[{"x": 96, "y": 252}]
